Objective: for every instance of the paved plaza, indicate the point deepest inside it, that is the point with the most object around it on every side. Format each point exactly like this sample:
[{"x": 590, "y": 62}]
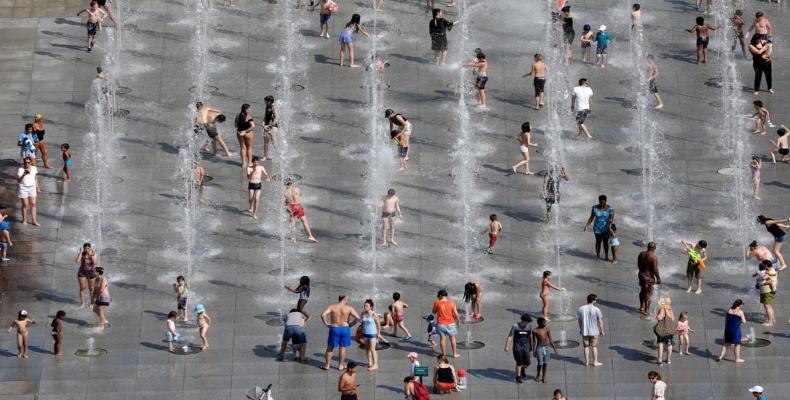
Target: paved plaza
[{"x": 240, "y": 263}]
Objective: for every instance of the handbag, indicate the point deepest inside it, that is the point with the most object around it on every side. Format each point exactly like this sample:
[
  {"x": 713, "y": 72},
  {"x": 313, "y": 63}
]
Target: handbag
[{"x": 665, "y": 327}]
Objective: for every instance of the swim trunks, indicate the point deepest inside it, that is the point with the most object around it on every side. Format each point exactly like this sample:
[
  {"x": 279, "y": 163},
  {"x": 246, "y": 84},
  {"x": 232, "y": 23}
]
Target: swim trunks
[
  {"x": 652, "y": 86},
  {"x": 296, "y": 210},
  {"x": 211, "y": 130},
  {"x": 182, "y": 303},
  {"x": 68, "y": 162},
  {"x": 339, "y": 336},
  {"x": 784, "y": 152},
  {"x": 492, "y": 240},
  {"x": 480, "y": 82},
  {"x": 581, "y": 116},
  {"x": 702, "y": 41},
  {"x": 601, "y": 50},
  {"x": 693, "y": 270},
  {"x": 524, "y": 149},
  {"x": 540, "y": 84},
  {"x": 4, "y": 226},
  {"x": 345, "y": 36},
  {"x": 403, "y": 151},
  {"x": 385, "y": 214},
  {"x": 93, "y": 28},
  {"x": 325, "y": 18},
  {"x": 254, "y": 186}
]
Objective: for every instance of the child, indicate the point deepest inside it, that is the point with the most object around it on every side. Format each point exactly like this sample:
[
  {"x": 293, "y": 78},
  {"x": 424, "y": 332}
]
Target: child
[
  {"x": 403, "y": 150},
  {"x": 538, "y": 71},
  {"x": 171, "y": 335},
  {"x": 636, "y": 16},
  {"x": 541, "y": 338},
  {"x": 701, "y": 29},
  {"x": 204, "y": 322},
  {"x": 586, "y": 39},
  {"x": 95, "y": 19},
  {"x": 433, "y": 334},
  {"x": 328, "y": 7},
  {"x": 683, "y": 332},
  {"x": 413, "y": 359},
  {"x": 757, "y": 164},
  {"x": 5, "y": 235},
  {"x": 57, "y": 332},
  {"x": 20, "y": 324},
  {"x": 303, "y": 290},
  {"x": 64, "y": 148},
  {"x": 545, "y": 291},
  {"x": 182, "y": 292},
  {"x": 780, "y": 145},
  {"x": 255, "y": 173},
  {"x": 397, "y": 310},
  {"x": 473, "y": 294},
  {"x": 766, "y": 276},
  {"x": 737, "y": 27},
  {"x": 493, "y": 229},
  {"x": 614, "y": 243},
  {"x": 696, "y": 263},
  {"x": 480, "y": 65},
  {"x": 602, "y": 39},
  {"x": 761, "y": 117}
]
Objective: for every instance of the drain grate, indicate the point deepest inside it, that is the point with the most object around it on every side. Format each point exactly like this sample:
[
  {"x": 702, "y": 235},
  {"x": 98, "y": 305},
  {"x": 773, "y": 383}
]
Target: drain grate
[
  {"x": 473, "y": 345},
  {"x": 121, "y": 113},
  {"x": 569, "y": 344},
  {"x": 755, "y": 343},
  {"x": 294, "y": 88},
  {"x": 122, "y": 90},
  {"x": 208, "y": 88}
]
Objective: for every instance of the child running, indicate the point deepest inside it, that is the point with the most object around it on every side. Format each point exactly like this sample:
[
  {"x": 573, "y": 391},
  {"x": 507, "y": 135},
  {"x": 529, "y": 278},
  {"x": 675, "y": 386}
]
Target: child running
[
  {"x": 493, "y": 228},
  {"x": 21, "y": 324},
  {"x": 525, "y": 141},
  {"x": 5, "y": 235},
  {"x": 702, "y": 30},
  {"x": 602, "y": 39},
  {"x": 95, "y": 21}
]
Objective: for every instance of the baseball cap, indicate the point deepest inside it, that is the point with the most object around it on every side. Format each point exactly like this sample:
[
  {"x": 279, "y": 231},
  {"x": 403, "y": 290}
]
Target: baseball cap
[
  {"x": 756, "y": 389},
  {"x": 23, "y": 312},
  {"x": 412, "y": 354},
  {"x": 602, "y": 28}
]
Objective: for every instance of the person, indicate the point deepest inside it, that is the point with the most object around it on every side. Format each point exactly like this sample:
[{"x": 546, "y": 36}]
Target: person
[
  {"x": 271, "y": 124},
  {"x": 757, "y": 392},
  {"x": 433, "y": 332},
  {"x": 602, "y": 40},
  {"x": 636, "y": 16},
  {"x": 538, "y": 72},
  {"x": 774, "y": 227},
  {"x": 444, "y": 377},
  {"x": 614, "y": 243},
  {"x": 255, "y": 173},
  {"x": 403, "y": 150},
  {"x": 414, "y": 390},
  {"x": 493, "y": 229},
  {"x": 293, "y": 198},
  {"x": 541, "y": 339},
  {"x": 767, "y": 276},
  {"x": 438, "y": 28},
  {"x": 27, "y": 144},
  {"x": 171, "y": 334},
  {"x": 702, "y": 30},
  {"x": 601, "y": 217},
  {"x": 586, "y": 40},
  {"x": 87, "y": 260},
  {"x": 199, "y": 174},
  {"x": 761, "y": 253},
  {"x": 21, "y": 324},
  {"x": 545, "y": 293},
  {"x": 339, "y": 322},
  {"x": 732, "y": 331},
  {"x": 659, "y": 386},
  {"x": 761, "y": 117},
  {"x": 652, "y": 74},
  {"x": 28, "y": 188},
  {"x": 379, "y": 66},
  {"x": 5, "y": 235},
  {"x": 41, "y": 144},
  {"x": 414, "y": 362},
  {"x": 683, "y": 332},
  {"x": 756, "y": 165},
  {"x": 591, "y": 327},
  {"x": 761, "y": 27},
  {"x": 473, "y": 295},
  {"x": 521, "y": 335},
  {"x": 181, "y": 287},
  {"x": 404, "y": 129},
  {"x": 696, "y": 263},
  {"x": 245, "y": 133},
  {"x": 390, "y": 209},
  {"x": 761, "y": 50},
  {"x": 371, "y": 329},
  {"x": 525, "y": 140},
  {"x": 737, "y": 26},
  {"x": 568, "y": 34},
  {"x": 347, "y": 41},
  {"x": 447, "y": 320},
  {"x": 294, "y": 331},
  {"x": 303, "y": 290},
  {"x": 767, "y": 288},
  {"x": 204, "y": 323},
  {"x": 648, "y": 275},
  {"x": 558, "y": 395},
  {"x": 551, "y": 187},
  {"x": 480, "y": 65},
  {"x": 665, "y": 312},
  {"x": 67, "y": 161},
  {"x": 398, "y": 308},
  {"x": 101, "y": 299},
  {"x": 780, "y": 145},
  {"x": 206, "y": 120},
  {"x": 57, "y": 333},
  {"x": 347, "y": 385},
  {"x": 581, "y": 103},
  {"x": 95, "y": 22}
]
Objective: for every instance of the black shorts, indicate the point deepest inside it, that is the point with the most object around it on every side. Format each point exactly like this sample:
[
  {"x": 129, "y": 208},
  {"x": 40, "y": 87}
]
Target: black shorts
[
  {"x": 182, "y": 303},
  {"x": 540, "y": 85},
  {"x": 652, "y": 86},
  {"x": 480, "y": 82},
  {"x": 784, "y": 152},
  {"x": 702, "y": 41},
  {"x": 521, "y": 354},
  {"x": 102, "y": 303},
  {"x": 567, "y": 37},
  {"x": 211, "y": 130},
  {"x": 254, "y": 186},
  {"x": 93, "y": 28},
  {"x": 581, "y": 116}
]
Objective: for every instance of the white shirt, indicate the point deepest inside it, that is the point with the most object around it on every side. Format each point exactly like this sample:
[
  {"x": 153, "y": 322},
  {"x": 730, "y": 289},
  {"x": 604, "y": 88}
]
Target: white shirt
[
  {"x": 295, "y": 318},
  {"x": 658, "y": 390},
  {"x": 30, "y": 179},
  {"x": 583, "y": 95},
  {"x": 589, "y": 315}
]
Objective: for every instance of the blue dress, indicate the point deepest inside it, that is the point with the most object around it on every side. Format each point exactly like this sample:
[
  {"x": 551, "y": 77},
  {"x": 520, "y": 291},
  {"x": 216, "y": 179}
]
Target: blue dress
[{"x": 732, "y": 329}]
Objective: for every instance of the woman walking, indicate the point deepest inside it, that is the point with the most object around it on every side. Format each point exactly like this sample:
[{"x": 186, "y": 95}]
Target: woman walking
[
  {"x": 664, "y": 329},
  {"x": 438, "y": 28},
  {"x": 101, "y": 300},
  {"x": 601, "y": 216},
  {"x": 371, "y": 329},
  {"x": 525, "y": 140},
  {"x": 732, "y": 331},
  {"x": 761, "y": 50},
  {"x": 41, "y": 144},
  {"x": 245, "y": 129},
  {"x": 87, "y": 260},
  {"x": 774, "y": 227},
  {"x": 659, "y": 386},
  {"x": 347, "y": 40}
]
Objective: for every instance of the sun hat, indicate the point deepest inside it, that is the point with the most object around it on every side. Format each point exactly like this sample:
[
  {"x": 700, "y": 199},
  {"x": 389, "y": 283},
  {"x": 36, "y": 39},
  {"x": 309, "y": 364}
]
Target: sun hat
[
  {"x": 412, "y": 354},
  {"x": 199, "y": 308},
  {"x": 756, "y": 389},
  {"x": 602, "y": 28}
]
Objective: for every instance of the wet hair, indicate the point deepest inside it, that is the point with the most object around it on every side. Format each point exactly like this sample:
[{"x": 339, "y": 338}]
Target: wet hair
[
  {"x": 758, "y": 14},
  {"x": 654, "y": 375},
  {"x": 256, "y": 158},
  {"x": 481, "y": 56},
  {"x": 86, "y": 244},
  {"x": 351, "y": 365},
  {"x": 758, "y": 103},
  {"x": 526, "y": 127},
  {"x": 341, "y": 297},
  {"x": 100, "y": 270},
  {"x": 269, "y": 99},
  {"x": 651, "y": 246},
  {"x": 636, "y": 7},
  {"x": 587, "y": 27},
  {"x": 65, "y": 146},
  {"x": 591, "y": 298},
  {"x": 762, "y": 218},
  {"x": 304, "y": 281},
  {"x": 492, "y": 217},
  {"x": 441, "y": 293},
  {"x": 541, "y": 322},
  {"x": 738, "y": 12},
  {"x": 546, "y": 274},
  {"x": 396, "y": 296},
  {"x": 388, "y": 112},
  {"x": 582, "y": 81},
  {"x": 762, "y": 266},
  {"x": 180, "y": 278},
  {"x": 60, "y": 314},
  {"x": 99, "y": 69},
  {"x": 436, "y": 12},
  {"x": 429, "y": 317},
  {"x": 602, "y": 198},
  {"x": 28, "y": 127},
  {"x": 469, "y": 290},
  {"x": 370, "y": 303},
  {"x": 538, "y": 57},
  {"x": 781, "y": 131},
  {"x": 526, "y": 317},
  {"x": 172, "y": 314},
  {"x": 651, "y": 57},
  {"x": 199, "y": 104},
  {"x": 442, "y": 358},
  {"x": 613, "y": 227},
  {"x": 293, "y": 310},
  {"x": 766, "y": 263},
  {"x": 221, "y": 118},
  {"x": 702, "y": 244},
  {"x": 700, "y": 20},
  {"x": 737, "y": 303},
  {"x": 355, "y": 19},
  {"x": 391, "y": 192}
]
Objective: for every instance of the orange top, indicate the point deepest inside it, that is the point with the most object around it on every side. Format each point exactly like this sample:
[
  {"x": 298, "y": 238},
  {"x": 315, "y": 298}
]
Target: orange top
[{"x": 444, "y": 311}]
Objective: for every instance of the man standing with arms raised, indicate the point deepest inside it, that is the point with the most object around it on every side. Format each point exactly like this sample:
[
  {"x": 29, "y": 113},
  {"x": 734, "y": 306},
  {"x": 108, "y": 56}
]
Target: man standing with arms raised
[
  {"x": 339, "y": 330},
  {"x": 647, "y": 263}
]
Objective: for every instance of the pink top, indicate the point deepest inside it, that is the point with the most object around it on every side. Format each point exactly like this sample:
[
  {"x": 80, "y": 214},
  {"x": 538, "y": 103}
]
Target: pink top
[{"x": 683, "y": 327}]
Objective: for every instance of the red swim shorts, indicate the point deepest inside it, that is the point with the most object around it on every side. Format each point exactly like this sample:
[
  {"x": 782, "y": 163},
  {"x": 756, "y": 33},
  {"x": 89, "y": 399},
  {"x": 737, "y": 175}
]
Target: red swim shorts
[{"x": 296, "y": 210}]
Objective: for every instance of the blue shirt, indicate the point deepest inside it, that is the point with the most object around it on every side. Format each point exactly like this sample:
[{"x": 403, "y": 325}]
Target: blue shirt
[
  {"x": 601, "y": 221},
  {"x": 31, "y": 140},
  {"x": 603, "y": 39}
]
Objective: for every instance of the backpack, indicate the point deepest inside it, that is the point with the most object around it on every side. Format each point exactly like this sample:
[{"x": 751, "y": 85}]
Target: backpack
[{"x": 421, "y": 392}]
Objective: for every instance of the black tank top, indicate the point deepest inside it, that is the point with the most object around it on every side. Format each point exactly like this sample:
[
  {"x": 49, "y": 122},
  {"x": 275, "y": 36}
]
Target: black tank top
[
  {"x": 242, "y": 124},
  {"x": 567, "y": 25},
  {"x": 775, "y": 230},
  {"x": 39, "y": 134},
  {"x": 269, "y": 116},
  {"x": 444, "y": 375}
]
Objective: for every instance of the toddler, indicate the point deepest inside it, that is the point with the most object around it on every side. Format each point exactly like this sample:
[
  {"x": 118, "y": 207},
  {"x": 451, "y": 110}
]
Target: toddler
[
  {"x": 493, "y": 229},
  {"x": 761, "y": 117},
  {"x": 614, "y": 243},
  {"x": 433, "y": 334},
  {"x": 171, "y": 335},
  {"x": 766, "y": 276},
  {"x": 5, "y": 235},
  {"x": 182, "y": 292},
  {"x": 204, "y": 322},
  {"x": 683, "y": 332},
  {"x": 20, "y": 324},
  {"x": 66, "y": 161}
]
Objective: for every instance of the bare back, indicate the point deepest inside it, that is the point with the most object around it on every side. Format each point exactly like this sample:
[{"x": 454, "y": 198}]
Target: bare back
[{"x": 292, "y": 195}]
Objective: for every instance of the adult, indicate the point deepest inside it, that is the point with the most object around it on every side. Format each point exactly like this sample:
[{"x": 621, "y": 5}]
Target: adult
[
  {"x": 87, "y": 259},
  {"x": 767, "y": 295},
  {"x": 761, "y": 27},
  {"x": 761, "y": 50},
  {"x": 206, "y": 121},
  {"x": 732, "y": 331},
  {"x": 761, "y": 253},
  {"x": 551, "y": 187},
  {"x": 347, "y": 39},
  {"x": 101, "y": 300},
  {"x": 390, "y": 208},
  {"x": 591, "y": 328},
  {"x": 294, "y": 332},
  {"x": 568, "y": 34},
  {"x": 525, "y": 141},
  {"x": 447, "y": 320},
  {"x": 371, "y": 329},
  {"x": 271, "y": 124},
  {"x": 581, "y": 103},
  {"x": 347, "y": 384},
  {"x": 245, "y": 133},
  {"x": 339, "y": 323},
  {"x": 601, "y": 217},
  {"x": 41, "y": 144},
  {"x": 659, "y": 386},
  {"x": 438, "y": 28},
  {"x": 28, "y": 188},
  {"x": 521, "y": 335},
  {"x": 774, "y": 227},
  {"x": 665, "y": 329},
  {"x": 293, "y": 202},
  {"x": 647, "y": 264},
  {"x": 444, "y": 377}
]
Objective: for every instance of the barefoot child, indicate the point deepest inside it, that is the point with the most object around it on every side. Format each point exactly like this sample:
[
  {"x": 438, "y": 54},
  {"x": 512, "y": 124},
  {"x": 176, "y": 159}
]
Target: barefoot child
[
  {"x": 57, "y": 332},
  {"x": 541, "y": 339},
  {"x": 602, "y": 39},
  {"x": 525, "y": 141},
  {"x": 204, "y": 322},
  {"x": 328, "y": 7},
  {"x": 171, "y": 335},
  {"x": 182, "y": 293},
  {"x": 433, "y": 334},
  {"x": 702, "y": 30},
  {"x": 545, "y": 291},
  {"x": 586, "y": 40},
  {"x": 761, "y": 117},
  {"x": 614, "y": 243},
  {"x": 493, "y": 229},
  {"x": 473, "y": 294},
  {"x": 757, "y": 165},
  {"x": 397, "y": 309},
  {"x": 20, "y": 324},
  {"x": 95, "y": 20},
  {"x": 780, "y": 145},
  {"x": 538, "y": 71},
  {"x": 5, "y": 235},
  {"x": 683, "y": 332},
  {"x": 255, "y": 173},
  {"x": 64, "y": 148},
  {"x": 696, "y": 263}
]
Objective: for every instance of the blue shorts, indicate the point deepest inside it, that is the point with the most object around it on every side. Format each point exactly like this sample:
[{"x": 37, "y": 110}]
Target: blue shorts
[
  {"x": 339, "y": 336},
  {"x": 781, "y": 239},
  {"x": 542, "y": 354},
  {"x": 447, "y": 330},
  {"x": 325, "y": 18},
  {"x": 403, "y": 152},
  {"x": 346, "y": 38},
  {"x": 600, "y": 50},
  {"x": 4, "y": 226},
  {"x": 68, "y": 163},
  {"x": 295, "y": 334},
  {"x": 172, "y": 337}
]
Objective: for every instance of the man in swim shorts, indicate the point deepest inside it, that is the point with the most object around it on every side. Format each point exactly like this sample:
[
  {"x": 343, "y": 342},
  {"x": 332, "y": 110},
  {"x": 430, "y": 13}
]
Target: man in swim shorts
[
  {"x": 339, "y": 326},
  {"x": 480, "y": 65},
  {"x": 206, "y": 120},
  {"x": 293, "y": 199},
  {"x": 390, "y": 208}
]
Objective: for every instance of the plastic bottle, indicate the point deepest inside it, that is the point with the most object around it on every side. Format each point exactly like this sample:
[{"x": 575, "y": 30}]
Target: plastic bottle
[{"x": 462, "y": 382}]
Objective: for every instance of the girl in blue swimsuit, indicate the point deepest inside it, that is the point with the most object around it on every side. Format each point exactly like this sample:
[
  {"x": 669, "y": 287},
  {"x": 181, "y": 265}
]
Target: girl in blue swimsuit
[{"x": 346, "y": 39}]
